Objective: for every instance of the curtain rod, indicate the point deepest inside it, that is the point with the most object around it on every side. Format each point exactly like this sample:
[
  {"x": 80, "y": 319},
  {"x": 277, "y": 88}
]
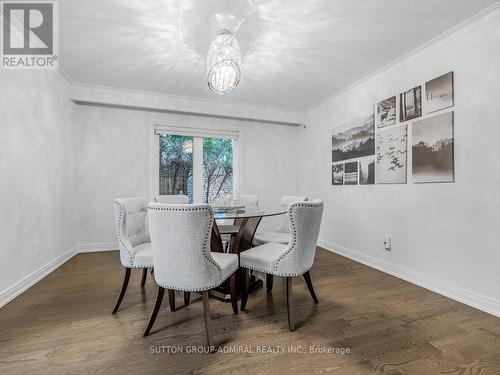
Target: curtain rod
[{"x": 178, "y": 112}]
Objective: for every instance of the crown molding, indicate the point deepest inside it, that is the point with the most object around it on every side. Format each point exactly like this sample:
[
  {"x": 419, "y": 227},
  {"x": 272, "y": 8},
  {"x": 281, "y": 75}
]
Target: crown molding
[{"x": 479, "y": 19}]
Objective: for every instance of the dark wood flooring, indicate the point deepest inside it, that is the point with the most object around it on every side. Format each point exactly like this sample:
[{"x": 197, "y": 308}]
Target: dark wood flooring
[{"x": 63, "y": 325}]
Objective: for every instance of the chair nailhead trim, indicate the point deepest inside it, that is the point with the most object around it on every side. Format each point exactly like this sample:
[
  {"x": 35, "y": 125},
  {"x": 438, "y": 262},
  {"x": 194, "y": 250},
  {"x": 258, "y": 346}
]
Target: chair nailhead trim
[
  {"x": 118, "y": 229},
  {"x": 275, "y": 274},
  {"x": 291, "y": 211},
  {"x": 206, "y": 242}
]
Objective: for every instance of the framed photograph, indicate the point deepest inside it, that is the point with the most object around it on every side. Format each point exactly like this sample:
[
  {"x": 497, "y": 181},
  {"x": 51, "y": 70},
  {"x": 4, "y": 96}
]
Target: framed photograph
[
  {"x": 355, "y": 137},
  {"x": 439, "y": 93},
  {"x": 432, "y": 149},
  {"x": 337, "y": 174},
  {"x": 410, "y": 104},
  {"x": 392, "y": 155},
  {"x": 386, "y": 112},
  {"x": 367, "y": 172},
  {"x": 351, "y": 173}
]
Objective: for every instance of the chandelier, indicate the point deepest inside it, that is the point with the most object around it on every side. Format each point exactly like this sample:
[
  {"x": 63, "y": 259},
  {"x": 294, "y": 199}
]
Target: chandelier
[{"x": 224, "y": 63}]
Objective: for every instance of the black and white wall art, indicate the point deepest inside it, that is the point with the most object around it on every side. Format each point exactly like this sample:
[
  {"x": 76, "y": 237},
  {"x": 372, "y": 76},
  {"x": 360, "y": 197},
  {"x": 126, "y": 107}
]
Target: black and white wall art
[
  {"x": 410, "y": 104},
  {"x": 439, "y": 93},
  {"x": 351, "y": 173},
  {"x": 432, "y": 149},
  {"x": 367, "y": 171},
  {"x": 386, "y": 112},
  {"x": 355, "y": 137},
  {"x": 391, "y": 155},
  {"x": 337, "y": 174}
]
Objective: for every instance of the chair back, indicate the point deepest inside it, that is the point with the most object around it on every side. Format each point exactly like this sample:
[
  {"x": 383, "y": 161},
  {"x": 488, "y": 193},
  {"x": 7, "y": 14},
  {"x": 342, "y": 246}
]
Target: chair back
[
  {"x": 180, "y": 238},
  {"x": 131, "y": 227},
  {"x": 305, "y": 221},
  {"x": 285, "y": 202},
  {"x": 172, "y": 199}
]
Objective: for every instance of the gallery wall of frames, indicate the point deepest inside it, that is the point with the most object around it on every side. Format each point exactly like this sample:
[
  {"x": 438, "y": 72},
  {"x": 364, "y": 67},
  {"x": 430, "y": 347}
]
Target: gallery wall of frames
[{"x": 404, "y": 137}]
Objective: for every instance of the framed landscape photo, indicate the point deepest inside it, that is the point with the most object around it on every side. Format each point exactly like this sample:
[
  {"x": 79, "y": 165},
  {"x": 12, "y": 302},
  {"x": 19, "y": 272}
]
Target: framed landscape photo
[
  {"x": 355, "y": 137},
  {"x": 367, "y": 171},
  {"x": 386, "y": 112},
  {"x": 351, "y": 173},
  {"x": 337, "y": 174},
  {"x": 439, "y": 93},
  {"x": 432, "y": 149},
  {"x": 410, "y": 104}
]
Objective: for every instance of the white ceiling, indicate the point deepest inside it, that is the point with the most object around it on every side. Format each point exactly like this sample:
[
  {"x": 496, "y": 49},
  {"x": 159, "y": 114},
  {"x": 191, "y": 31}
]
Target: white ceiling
[{"x": 296, "y": 53}]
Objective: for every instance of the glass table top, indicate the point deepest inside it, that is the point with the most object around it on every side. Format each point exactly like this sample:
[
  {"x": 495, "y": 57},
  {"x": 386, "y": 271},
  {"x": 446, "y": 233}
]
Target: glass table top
[{"x": 242, "y": 213}]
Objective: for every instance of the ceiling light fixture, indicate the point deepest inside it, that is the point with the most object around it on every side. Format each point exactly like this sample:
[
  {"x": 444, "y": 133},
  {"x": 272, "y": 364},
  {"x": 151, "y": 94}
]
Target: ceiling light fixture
[{"x": 224, "y": 63}]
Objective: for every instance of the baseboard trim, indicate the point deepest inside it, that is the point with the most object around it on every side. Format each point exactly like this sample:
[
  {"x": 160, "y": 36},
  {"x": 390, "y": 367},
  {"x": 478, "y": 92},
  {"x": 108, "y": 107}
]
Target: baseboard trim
[
  {"x": 96, "y": 247},
  {"x": 473, "y": 299},
  {"x": 21, "y": 286}
]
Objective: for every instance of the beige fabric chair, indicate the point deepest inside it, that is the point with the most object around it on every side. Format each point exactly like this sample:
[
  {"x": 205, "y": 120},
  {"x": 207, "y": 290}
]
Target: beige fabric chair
[
  {"x": 133, "y": 239},
  {"x": 172, "y": 199},
  {"x": 180, "y": 235},
  {"x": 294, "y": 259},
  {"x": 282, "y": 233}
]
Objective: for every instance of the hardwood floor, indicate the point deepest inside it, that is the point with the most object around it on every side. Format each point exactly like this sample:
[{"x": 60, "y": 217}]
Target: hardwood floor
[{"x": 64, "y": 325}]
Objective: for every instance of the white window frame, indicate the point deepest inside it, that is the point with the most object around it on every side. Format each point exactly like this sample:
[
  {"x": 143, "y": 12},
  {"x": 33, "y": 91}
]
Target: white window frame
[{"x": 156, "y": 128}]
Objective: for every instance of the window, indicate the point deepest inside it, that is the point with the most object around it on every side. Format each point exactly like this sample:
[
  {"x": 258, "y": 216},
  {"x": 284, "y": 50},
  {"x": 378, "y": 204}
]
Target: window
[
  {"x": 217, "y": 168},
  {"x": 197, "y": 163},
  {"x": 176, "y": 165}
]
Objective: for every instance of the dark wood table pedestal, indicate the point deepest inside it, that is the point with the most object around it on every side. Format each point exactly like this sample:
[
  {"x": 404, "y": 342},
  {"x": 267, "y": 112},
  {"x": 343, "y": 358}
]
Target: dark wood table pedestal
[{"x": 239, "y": 242}]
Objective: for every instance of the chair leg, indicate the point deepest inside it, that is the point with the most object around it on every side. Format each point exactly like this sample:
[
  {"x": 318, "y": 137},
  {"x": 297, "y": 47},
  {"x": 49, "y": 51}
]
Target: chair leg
[
  {"x": 246, "y": 287},
  {"x": 208, "y": 320},
  {"x": 171, "y": 299},
  {"x": 289, "y": 304},
  {"x": 187, "y": 295},
  {"x": 232, "y": 290},
  {"x": 269, "y": 282},
  {"x": 307, "y": 277},
  {"x": 156, "y": 308},
  {"x": 122, "y": 292},
  {"x": 144, "y": 274}
]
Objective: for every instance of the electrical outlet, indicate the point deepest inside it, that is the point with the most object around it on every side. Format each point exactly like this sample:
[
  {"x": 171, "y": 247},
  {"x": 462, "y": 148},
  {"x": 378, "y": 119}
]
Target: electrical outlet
[
  {"x": 387, "y": 242},
  {"x": 37, "y": 248}
]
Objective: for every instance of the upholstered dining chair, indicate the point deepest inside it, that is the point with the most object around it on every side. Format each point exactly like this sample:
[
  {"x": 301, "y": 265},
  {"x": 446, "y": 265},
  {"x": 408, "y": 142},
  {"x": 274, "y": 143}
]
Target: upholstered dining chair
[
  {"x": 172, "y": 199},
  {"x": 180, "y": 237},
  {"x": 280, "y": 235},
  {"x": 133, "y": 239},
  {"x": 294, "y": 259}
]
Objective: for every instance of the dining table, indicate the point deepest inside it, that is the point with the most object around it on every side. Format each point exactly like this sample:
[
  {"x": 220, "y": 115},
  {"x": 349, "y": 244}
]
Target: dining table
[{"x": 235, "y": 238}]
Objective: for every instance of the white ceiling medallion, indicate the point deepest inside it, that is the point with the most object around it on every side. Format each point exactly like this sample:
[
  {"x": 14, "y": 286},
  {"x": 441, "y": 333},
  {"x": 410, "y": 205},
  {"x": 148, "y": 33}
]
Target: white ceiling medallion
[{"x": 224, "y": 63}]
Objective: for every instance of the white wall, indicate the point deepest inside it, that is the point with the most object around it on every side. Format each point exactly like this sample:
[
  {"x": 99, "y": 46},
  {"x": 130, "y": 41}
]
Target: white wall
[
  {"x": 445, "y": 236},
  {"x": 112, "y": 162},
  {"x": 36, "y": 174}
]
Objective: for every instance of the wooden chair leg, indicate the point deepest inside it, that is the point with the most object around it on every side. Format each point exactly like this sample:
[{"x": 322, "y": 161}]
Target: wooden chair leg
[
  {"x": 156, "y": 308},
  {"x": 171, "y": 299},
  {"x": 269, "y": 282},
  {"x": 307, "y": 277},
  {"x": 232, "y": 291},
  {"x": 144, "y": 274},
  {"x": 208, "y": 320},
  {"x": 246, "y": 287},
  {"x": 187, "y": 295},
  {"x": 289, "y": 304},
  {"x": 122, "y": 291}
]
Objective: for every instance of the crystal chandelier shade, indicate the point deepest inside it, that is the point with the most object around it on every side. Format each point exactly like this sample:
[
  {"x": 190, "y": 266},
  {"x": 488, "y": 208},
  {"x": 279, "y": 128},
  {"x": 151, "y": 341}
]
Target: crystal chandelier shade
[{"x": 224, "y": 63}]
